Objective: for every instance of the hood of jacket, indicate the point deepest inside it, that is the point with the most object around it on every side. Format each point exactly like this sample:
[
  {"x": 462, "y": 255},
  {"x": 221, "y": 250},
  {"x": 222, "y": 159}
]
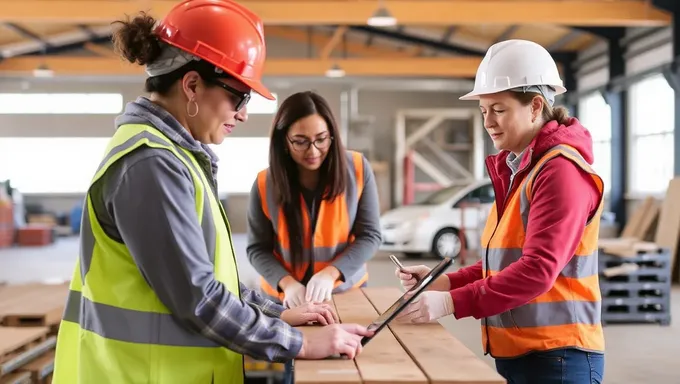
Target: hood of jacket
[
  {"x": 573, "y": 134},
  {"x": 144, "y": 111}
]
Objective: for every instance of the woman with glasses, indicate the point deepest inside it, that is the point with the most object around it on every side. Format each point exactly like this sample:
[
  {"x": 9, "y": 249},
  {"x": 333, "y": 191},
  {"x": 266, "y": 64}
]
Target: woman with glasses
[
  {"x": 155, "y": 296},
  {"x": 313, "y": 220}
]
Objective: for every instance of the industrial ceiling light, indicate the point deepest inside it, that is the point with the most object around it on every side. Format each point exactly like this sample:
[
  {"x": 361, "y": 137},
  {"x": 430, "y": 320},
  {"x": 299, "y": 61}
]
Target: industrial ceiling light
[
  {"x": 382, "y": 18},
  {"x": 335, "y": 71}
]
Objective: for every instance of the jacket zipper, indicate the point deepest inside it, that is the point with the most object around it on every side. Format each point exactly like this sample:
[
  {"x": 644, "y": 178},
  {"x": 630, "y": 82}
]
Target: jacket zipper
[{"x": 498, "y": 220}]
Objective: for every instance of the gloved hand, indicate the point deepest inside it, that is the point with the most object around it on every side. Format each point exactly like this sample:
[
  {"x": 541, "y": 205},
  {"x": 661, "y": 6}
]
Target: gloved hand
[
  {"x": 294, "y": 295},
  {"x": 320, "y": 287},
  {"x": 427, "y": 307},
  {"x": 407, "y": 279}
]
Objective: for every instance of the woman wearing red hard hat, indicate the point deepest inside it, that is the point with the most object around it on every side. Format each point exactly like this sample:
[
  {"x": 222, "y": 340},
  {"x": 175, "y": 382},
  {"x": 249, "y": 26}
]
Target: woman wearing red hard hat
[{"x": 155, "y": 296}]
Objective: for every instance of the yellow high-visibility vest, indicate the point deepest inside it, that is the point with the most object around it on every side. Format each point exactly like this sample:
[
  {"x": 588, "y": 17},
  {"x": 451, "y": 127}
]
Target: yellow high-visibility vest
[{"x": 115, "y": 328}]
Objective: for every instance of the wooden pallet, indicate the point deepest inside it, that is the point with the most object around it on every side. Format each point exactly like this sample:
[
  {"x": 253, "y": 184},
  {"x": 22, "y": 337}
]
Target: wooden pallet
[
  {"x": 41, "y": 368},
  {"x": 17, "y": 378},
  {"x": 20, "y": 346},
  {"x": 32, "y": 305}
]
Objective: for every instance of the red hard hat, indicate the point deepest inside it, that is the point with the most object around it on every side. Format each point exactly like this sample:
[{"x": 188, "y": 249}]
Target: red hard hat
[{"x": 221, "y": 32}]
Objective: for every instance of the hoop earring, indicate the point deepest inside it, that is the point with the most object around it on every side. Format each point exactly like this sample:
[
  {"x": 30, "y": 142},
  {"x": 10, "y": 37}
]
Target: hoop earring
[{"x": 188, "y": 104}]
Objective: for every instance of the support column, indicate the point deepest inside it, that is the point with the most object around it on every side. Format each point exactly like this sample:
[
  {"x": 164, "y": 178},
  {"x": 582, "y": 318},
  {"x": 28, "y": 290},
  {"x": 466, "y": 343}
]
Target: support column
[
  {"x": 617, "y": 98},
  {"x": 674, "y": 81},
  {"x": 569, "y": 77}
]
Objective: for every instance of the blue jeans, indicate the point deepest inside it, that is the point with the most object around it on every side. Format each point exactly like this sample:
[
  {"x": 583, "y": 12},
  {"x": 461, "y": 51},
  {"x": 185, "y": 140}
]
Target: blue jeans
[{"x": 563, "y": 366}]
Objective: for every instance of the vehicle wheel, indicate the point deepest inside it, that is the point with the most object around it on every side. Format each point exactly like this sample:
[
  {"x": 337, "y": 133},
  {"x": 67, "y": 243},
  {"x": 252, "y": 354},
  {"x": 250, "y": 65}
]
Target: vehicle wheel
[{"x": 447, "y": 243}]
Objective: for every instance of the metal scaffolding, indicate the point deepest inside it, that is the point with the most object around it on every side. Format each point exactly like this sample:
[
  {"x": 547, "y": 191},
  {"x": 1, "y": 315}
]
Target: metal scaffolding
[{"x": 440, "y": 160}]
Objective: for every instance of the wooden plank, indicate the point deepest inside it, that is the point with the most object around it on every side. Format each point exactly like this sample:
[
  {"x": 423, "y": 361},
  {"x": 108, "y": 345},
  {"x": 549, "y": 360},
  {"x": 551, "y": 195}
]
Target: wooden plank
[
  {"x": 668, "y": 227},
  {"x": 383, "y": 360},
  {"x": 331, "y": 371},
  {"x": 443, "y": 358}
]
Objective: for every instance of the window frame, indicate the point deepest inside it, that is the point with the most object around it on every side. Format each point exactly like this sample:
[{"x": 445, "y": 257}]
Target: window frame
[
  {"x": 636, "y": 99},
  {"x": 596, "y": 129}
]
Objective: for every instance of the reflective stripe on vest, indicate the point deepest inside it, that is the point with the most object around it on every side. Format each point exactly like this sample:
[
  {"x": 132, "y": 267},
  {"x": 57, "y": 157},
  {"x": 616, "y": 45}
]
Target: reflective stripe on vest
[
  {"x": 115, "y": 328},
  {"x": 333, "y": 231},
  {"x": 568, "y": 315}
]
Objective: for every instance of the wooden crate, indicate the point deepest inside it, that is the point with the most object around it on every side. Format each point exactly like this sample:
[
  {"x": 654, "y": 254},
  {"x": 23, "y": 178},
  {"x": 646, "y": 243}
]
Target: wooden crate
[{"x": 413, "y": 353}]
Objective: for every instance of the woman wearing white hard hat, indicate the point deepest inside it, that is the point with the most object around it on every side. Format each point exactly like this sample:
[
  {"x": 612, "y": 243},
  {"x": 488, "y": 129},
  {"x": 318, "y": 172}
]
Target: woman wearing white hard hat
[{"x": 536, "y": 288}]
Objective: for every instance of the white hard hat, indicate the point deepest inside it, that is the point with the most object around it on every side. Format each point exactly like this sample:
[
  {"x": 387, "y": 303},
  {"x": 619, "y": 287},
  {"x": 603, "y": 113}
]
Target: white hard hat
[{"x": 515, "y": 64}]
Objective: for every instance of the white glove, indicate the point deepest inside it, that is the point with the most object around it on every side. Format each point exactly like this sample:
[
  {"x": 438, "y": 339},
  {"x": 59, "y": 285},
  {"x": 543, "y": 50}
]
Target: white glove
[
  {"x": 407, "y": 279},
  {"x": 428, "y": 306},
  {"x": 294, "y": 295},
  {"x": 320, "y": 288}
]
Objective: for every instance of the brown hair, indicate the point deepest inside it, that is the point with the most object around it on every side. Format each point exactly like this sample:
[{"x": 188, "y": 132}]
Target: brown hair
[
  {"x": 136, "y": 42},
  {"x": 561, "y": 114},
  {"x": 284, "y": 170}
]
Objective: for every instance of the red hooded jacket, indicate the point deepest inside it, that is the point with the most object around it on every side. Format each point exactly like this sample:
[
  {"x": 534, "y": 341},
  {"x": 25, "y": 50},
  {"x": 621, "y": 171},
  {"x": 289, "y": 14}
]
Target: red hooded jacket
[{"x": 564, "y": 198}]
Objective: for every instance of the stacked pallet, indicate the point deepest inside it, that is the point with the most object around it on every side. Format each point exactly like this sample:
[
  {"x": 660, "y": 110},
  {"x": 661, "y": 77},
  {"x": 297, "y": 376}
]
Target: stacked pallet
[
  {"x": 652, "y": 226},
  {"x": 29, "y": 319},
  {"x": 636, "y": 289}
]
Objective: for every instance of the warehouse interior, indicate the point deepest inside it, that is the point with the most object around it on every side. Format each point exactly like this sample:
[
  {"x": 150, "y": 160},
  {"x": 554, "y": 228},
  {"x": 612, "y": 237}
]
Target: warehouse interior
[{"x": 393, "y": 72}]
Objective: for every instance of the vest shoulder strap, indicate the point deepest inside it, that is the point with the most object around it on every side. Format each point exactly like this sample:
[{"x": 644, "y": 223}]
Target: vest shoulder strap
[
  {"x": 127, "y": 138},
  {"x": 559, "y": 150},
  {"x": 262, "y": 181},
  {"x": 356, "y": 160}
]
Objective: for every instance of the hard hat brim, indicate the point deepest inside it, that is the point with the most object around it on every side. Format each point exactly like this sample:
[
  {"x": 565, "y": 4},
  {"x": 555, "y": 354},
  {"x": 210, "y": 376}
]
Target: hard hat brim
[{"x": 474, "y": 95}]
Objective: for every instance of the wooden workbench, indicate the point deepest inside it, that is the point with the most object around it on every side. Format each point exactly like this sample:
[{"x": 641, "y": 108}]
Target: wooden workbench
[{"x": 404, "y": 353}]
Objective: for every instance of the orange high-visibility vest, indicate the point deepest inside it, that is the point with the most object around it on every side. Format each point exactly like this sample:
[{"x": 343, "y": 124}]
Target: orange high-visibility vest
[
  {"x": 568, "y": 315},
  {"x": 331, "y": 235}
]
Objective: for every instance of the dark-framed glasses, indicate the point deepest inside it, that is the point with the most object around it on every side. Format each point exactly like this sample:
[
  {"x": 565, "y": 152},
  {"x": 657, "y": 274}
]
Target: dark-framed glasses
[
  {"x": 241, "y": 98},
  {"x": 304, "y": 144}
]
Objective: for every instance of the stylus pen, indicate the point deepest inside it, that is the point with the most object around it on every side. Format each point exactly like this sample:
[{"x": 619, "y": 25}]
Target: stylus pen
[{"x": 401, "y": 267}]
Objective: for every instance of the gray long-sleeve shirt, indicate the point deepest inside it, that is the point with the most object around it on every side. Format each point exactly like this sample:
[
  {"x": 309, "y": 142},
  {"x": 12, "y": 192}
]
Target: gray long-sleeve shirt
[
  {"x": 146, "y": 200},
  {"x": 366, "y": 229}
]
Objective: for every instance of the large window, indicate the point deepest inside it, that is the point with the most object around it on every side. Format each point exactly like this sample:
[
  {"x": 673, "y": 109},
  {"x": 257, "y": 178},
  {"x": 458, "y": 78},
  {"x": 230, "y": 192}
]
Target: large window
[
  {"x": 60, "y": 103},
  {"x": 241, "y": 158},
  {"x": 93, "y": 103},
  {"x": 50, "y": 164},
  {"x": 595, "y": 115},
  {"x": 67, "y": 164},
  {"x": 651, "y": 153}
]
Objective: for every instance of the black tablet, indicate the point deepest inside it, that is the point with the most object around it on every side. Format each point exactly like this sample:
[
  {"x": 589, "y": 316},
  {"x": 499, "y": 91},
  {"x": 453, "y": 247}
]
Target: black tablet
[{"x": 378, "y": 324}]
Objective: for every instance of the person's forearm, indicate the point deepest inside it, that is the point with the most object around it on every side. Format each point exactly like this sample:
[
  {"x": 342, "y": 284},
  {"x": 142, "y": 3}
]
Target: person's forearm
[
  {"x": 465, "y": 276},
  {"x": 267, "y": 265},
  {"x": 264, "y": 304}
]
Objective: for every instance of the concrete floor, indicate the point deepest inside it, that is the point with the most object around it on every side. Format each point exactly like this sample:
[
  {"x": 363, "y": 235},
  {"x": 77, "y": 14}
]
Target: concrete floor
[{"x": 635, "y": 353}]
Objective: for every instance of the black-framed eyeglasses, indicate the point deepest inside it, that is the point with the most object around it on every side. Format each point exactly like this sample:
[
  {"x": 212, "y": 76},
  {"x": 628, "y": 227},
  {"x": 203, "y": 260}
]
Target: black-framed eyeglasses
[
  {"x": 241, "y": 98},
  {"x": 304, "y": 144}
]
